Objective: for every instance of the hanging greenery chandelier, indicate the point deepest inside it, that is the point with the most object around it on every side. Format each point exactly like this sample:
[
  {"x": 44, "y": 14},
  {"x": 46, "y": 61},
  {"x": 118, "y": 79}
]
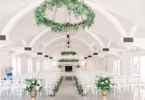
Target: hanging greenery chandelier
[
  {"x": 66, "y": 53},
  {"x": 74, "y": 7},
  {"x": 68, "y": 60}
]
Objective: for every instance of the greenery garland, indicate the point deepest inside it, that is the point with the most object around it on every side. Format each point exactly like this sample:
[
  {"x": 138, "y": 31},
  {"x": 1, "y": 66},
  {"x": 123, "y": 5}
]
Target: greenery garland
[
  {"x": 56, "y": 89},
  {"x": 68, "y": 60},
  {"x": 79, "y": 87},
  {"x": 66, "y": 53},
  {"x": 78, "y": 9}
]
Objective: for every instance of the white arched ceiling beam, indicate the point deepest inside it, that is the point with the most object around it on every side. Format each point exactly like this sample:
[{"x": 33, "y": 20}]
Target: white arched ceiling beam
[
  {"x": 24, "y": 43},
  {"x": 18, "y": 53},
  {"x": 77, "y": 44},
  {"x": 137, "y": 42},
  {"x": 136, "y": 45},
  {"x": 17, "y": 17},
  {"x": 116, "y": 54},
  {"x": 110, "y": 17},
  {"x": 50, "y": 50},
  {"x": 38, "y": 36},
  {"x": 133, "y": 31},
  {"x": 62, "y": 44},
  {"x": 55, "y": 39},
  {"x": 61, "y": 37},
  {"x": 113, "y": 51},
  {"x": 108, "y": 44},
  {"x": 96, "y": 37}
]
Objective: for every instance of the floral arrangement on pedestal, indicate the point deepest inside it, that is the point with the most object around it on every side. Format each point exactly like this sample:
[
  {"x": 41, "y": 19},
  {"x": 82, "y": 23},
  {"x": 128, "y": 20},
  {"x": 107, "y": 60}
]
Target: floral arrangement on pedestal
[
  {"x": 33, "y": 85},
  {"x": 104, "y": 84}
]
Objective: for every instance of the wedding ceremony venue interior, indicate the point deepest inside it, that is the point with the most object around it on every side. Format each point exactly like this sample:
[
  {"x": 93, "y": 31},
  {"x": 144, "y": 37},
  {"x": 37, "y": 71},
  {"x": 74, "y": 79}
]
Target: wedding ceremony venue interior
[{"x": 72, "y": 50}]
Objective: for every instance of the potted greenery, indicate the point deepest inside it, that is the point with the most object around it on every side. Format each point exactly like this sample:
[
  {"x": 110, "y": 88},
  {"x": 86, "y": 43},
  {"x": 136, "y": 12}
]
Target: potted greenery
[
  {"x": 105, "y": 85},
  {"x": 33, "y": 86}
]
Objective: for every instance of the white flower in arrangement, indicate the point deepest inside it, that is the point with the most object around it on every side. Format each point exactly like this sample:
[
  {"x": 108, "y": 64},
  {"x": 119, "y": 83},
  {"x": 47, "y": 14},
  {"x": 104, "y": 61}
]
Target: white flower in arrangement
[
  {"x": 33, "y": 81},
  {"x": 28, "y": 86},
  {"x": 37, "y": 88},
  {"x": 102, "y": 82},
  {"x": 39, "y": 82},
  {"x": 106, "y": 81}
]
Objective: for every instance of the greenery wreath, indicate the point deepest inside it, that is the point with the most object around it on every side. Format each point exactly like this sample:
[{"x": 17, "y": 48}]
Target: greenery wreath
[
  {"x": 78, "y": 9},
  {"x": 66, "y": 53}
]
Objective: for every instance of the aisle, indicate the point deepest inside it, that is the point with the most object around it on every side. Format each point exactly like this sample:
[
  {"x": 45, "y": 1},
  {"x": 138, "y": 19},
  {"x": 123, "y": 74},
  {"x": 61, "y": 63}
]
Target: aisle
[{"x": 68, "y": 91}]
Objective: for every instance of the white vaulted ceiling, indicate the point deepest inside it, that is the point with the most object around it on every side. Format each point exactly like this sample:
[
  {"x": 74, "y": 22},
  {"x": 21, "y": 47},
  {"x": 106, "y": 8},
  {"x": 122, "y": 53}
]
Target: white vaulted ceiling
[{"x": 114, "y": 20}]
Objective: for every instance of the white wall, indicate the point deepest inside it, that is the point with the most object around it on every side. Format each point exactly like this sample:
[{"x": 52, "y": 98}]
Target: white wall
[
  {"x": 4, "y": 61},
  {"x": 24, "y": 68}
]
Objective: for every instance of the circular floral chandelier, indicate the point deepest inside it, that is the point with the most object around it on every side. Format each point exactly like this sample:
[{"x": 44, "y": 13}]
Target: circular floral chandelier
[{"x": 74, "y": 7}]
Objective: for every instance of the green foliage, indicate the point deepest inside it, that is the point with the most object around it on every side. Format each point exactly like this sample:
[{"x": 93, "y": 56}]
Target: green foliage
[
  {"x": 66, "y": 53},
  {"x": 33, "y": 83},
  {"x": 104, "y": 83},
  {"x": 78, "y": 66},
  {"x": 76, "y": 8},
  {"x": 56, "y": 89},
  {"x": 68, "y": 60},
  {"x": 79, "y": 88}
]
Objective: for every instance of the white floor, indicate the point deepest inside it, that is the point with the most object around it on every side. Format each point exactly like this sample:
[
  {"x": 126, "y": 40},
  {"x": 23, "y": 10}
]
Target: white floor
[{"x": 68, "y": 91}]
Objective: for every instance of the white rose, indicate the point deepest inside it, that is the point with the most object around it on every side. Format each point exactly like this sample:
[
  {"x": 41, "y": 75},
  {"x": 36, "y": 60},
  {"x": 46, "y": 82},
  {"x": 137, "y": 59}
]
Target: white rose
[
  {"x": 106, "y": 81},
  {"x": 37, "y": 88},
  {"x": 33, "y": 81},
  {"x": 39, "y": 82}
]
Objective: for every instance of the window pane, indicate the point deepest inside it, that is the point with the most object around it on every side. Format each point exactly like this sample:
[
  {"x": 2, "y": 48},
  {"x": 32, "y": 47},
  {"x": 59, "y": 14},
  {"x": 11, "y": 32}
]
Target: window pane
[
  {"x": 38, "y": 66},
  {"x": 83, "y": 63},
  {"x": 135, "y": 66},
  {"x": 30, "y": 66},
  {"x": 54, "y": 63},
  {"x": 14, "y": 66},
  {"x": 19, "y": 66},
  {"x": 116, "y": 66},
  {"x": 142, "y": 66}
]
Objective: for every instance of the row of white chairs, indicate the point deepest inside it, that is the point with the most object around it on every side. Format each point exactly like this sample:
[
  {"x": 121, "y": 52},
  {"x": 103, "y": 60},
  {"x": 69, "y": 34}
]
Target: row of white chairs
[
  {"x": 122, "y": 84},
  {"x": 15, "y": 87}
]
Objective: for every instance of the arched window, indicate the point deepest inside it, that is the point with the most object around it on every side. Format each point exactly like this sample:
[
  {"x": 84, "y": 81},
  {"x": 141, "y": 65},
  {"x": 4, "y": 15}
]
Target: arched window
[
  {"x": 116, "y": 65},
  {"x": 37, "y": 66},
  {"x": 16, "y": 65},
  {"x": 30, "y": 65}
]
